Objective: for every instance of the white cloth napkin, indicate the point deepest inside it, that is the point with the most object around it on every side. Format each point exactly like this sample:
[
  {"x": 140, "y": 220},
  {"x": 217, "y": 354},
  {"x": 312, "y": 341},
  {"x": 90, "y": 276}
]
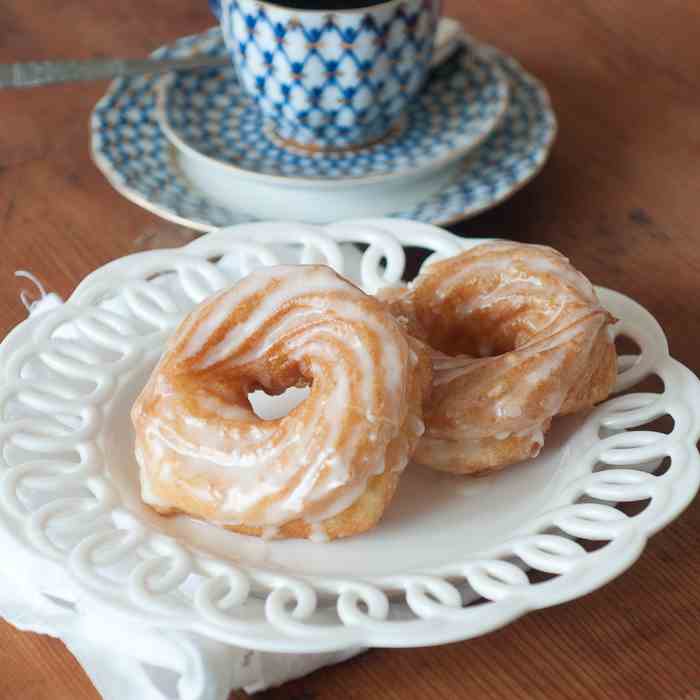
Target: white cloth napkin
[{"x": 113, "y": 655}]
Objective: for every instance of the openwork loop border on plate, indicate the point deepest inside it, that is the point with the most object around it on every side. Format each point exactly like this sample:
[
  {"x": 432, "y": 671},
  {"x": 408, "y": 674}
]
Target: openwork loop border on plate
[{"x": 61, "y": 503}]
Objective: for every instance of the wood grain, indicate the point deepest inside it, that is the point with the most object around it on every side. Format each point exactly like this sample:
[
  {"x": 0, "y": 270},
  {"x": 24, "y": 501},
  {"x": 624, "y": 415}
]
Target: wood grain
[{"x": 621, "y": 197}]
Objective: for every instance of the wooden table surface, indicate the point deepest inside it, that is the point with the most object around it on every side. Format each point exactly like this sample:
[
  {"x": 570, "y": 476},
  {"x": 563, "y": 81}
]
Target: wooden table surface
[{"x": 620, "y": 196}]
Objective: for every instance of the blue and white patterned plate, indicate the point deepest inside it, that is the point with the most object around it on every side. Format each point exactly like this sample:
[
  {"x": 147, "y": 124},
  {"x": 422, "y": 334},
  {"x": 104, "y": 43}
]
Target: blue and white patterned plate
[
  {"x": 210, "y": 113},
  {"x": 131, "y": 149}
]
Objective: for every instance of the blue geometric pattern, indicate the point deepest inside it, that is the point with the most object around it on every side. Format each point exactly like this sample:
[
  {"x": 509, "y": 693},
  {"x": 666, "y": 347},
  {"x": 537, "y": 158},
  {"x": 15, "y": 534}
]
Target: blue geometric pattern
[
  {"x": 132, "y": 151},
  {"x": 210, "y": 112},
  {"x": 331, "y": 79}
]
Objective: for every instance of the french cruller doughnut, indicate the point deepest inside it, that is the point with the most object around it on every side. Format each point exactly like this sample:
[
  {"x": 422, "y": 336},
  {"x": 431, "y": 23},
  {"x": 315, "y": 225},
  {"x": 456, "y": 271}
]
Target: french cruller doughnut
[
  {"x": 329, "y": 468},
  {"x": 518, "y": 336}
]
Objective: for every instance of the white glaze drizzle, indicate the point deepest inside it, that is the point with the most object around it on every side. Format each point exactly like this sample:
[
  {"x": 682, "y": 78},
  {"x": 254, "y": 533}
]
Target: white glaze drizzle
[{"x": 526, "y": 280}]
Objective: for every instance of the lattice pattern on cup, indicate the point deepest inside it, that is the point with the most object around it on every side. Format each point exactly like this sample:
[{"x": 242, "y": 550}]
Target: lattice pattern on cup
[{"x": 451, "y": 116}]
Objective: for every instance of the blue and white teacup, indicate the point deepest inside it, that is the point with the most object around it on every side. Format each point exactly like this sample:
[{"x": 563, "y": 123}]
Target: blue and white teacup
[{"x": 330, "y": 79}]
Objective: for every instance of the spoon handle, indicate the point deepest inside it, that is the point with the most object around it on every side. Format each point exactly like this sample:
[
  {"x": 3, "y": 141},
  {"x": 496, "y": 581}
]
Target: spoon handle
[
  {"x": 37, "y": 73},
  {"x": 33, "y": 74}
]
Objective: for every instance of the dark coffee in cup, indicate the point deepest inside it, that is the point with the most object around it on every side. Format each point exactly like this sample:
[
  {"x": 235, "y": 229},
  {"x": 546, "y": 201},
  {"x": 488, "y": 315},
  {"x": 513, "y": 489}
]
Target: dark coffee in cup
[{"x": 331, "y": 5}]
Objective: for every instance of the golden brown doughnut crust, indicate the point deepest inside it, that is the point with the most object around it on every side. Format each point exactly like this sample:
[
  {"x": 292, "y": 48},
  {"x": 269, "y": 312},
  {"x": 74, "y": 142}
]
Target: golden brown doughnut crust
[
  {"x": 327, "y": 469},
  {"x": 518, "y": 336}
]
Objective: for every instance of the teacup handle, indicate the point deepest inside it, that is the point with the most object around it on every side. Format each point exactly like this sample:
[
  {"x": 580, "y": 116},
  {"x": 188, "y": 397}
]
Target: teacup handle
[{"x": 447, "y": 37}]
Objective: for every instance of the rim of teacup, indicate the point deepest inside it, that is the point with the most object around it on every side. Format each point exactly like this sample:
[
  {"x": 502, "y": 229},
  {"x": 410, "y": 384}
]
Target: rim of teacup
[
  {"x": 349, "y": 11},
  {"x": 179, "y": 143}
]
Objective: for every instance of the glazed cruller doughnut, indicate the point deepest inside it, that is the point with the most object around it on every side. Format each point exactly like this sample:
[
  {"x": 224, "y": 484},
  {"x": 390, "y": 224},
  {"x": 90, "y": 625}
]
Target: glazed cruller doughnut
[
  {"x": 518, "y": 336},
  {"x": 327, "y": 469}
]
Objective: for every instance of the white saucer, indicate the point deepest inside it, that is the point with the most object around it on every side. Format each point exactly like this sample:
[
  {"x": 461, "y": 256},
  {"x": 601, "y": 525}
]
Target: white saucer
[
  {"x": 208, "y": 113},
  {"x": 130, "y": 147}
]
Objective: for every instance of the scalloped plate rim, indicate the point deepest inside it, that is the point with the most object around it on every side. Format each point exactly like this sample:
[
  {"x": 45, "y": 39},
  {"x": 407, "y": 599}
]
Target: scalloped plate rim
[{"x": 630, "y": 545}]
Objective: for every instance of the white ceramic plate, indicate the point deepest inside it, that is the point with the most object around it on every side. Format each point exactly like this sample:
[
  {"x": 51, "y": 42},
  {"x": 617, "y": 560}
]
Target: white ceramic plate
[{"x": 69, "y": 489}]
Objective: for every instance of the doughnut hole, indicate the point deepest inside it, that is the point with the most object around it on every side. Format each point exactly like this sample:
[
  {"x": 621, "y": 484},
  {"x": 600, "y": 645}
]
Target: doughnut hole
[
  {"x": 483, "y": 332},
  {"x": 273, "y": 407},
  {"x": 273, "y": 387}
]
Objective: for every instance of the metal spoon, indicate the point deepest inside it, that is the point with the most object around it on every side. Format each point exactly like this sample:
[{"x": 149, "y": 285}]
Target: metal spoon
[{"x": 20, "y": 75}]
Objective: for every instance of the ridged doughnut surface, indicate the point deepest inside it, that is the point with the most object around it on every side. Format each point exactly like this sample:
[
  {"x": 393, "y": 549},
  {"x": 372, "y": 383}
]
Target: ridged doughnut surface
[
  {"x": 519, "y": 336},
  {"x": 328, "y": 468}
]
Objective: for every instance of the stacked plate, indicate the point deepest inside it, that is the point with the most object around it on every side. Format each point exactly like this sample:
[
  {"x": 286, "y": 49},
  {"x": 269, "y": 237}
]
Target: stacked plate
[{"x": 192, "y": 147}]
